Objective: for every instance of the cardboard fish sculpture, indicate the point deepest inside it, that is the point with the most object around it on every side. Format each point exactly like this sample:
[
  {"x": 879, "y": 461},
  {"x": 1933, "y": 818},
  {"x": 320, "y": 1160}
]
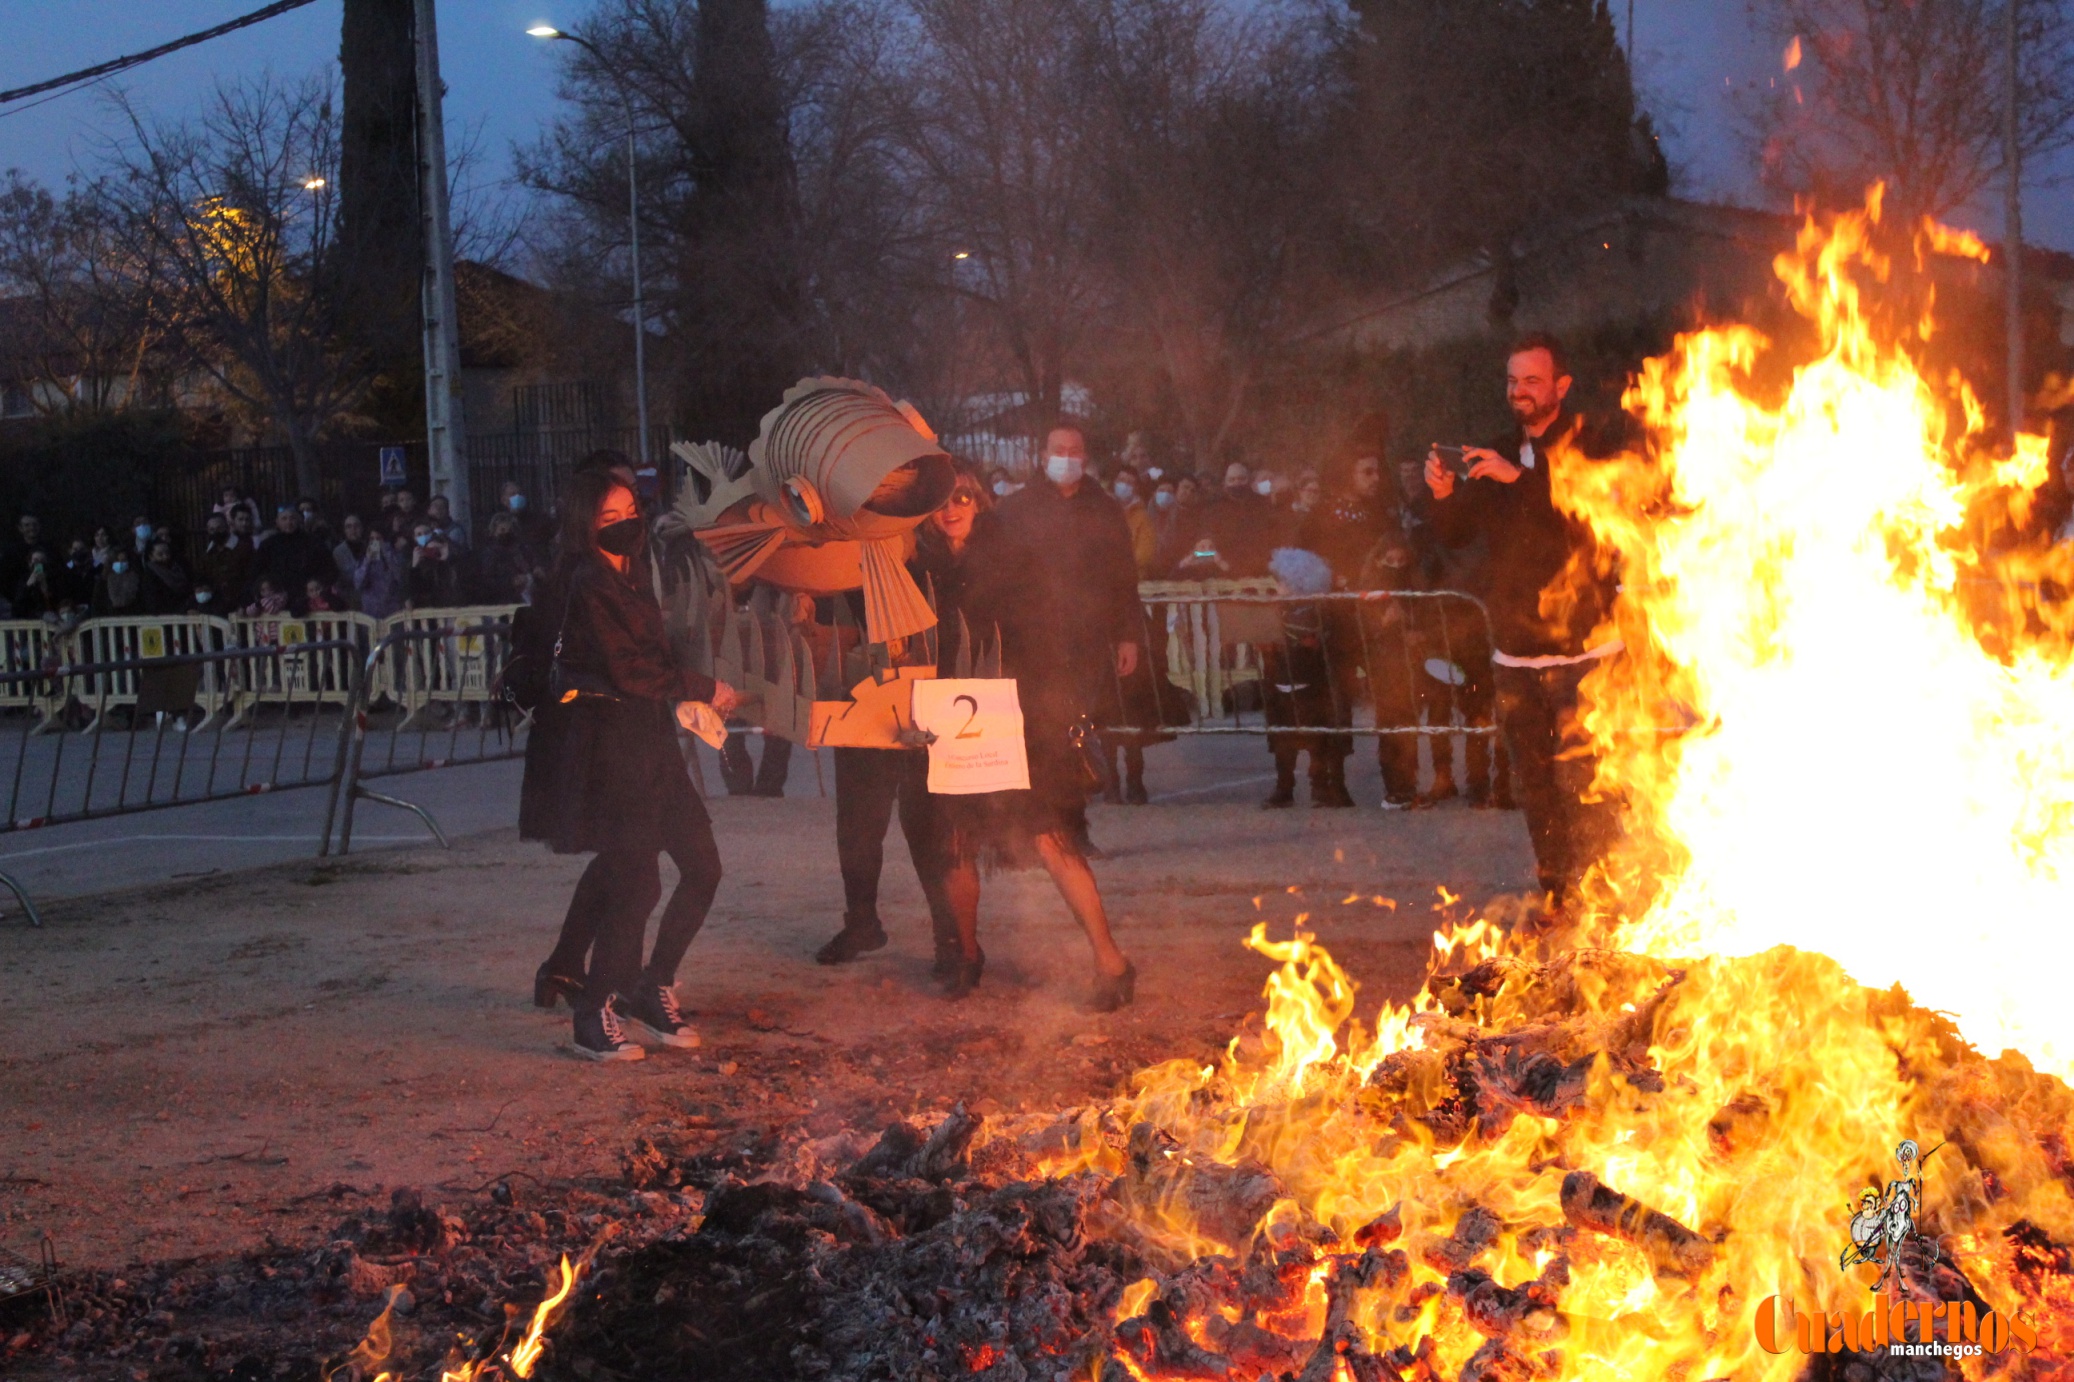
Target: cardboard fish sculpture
[{"x": 826, "y": 501}]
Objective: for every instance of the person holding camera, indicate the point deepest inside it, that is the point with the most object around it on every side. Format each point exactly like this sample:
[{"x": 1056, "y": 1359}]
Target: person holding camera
[{"x": 1544, "y": 648}]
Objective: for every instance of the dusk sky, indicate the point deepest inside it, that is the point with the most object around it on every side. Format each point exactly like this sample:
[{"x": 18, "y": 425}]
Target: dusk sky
[{"x": 1692, "y": 55}]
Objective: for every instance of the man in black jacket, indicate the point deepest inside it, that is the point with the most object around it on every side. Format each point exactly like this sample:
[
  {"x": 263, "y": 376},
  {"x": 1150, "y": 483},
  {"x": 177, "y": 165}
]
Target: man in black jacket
[
  {"x": 1545, "y": 608},
  {"x": 292, "y": 558},
  {"x": 1078, "y": 609}
]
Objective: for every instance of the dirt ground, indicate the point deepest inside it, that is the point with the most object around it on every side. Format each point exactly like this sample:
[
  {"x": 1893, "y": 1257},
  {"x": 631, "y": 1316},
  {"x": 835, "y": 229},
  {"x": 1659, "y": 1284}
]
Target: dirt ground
[{"x": 189, "y": 1070}]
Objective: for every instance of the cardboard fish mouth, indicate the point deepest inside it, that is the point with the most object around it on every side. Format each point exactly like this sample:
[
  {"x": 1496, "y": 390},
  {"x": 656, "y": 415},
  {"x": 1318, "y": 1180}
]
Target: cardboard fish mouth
[{"x": 914, "y": 490}]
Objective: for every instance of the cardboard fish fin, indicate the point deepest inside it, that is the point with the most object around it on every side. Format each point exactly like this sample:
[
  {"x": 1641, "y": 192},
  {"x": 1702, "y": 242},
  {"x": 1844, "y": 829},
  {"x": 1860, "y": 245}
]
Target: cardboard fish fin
[
  {"x": 962, "y": 669},
  {"x": 711, "y": 479},
  {"x": 740, "y": 548},
  {"x": 988, "y": 663},
  {"x": 727, "y": 654},
  {"x": 894, "y": 606}
]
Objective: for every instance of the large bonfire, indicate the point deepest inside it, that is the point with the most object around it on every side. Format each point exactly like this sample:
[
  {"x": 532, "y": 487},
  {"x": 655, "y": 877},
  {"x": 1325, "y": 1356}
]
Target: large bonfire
[
  {"x": 1844, "y": 740},
  {"x": 1626, "y": 1142}
]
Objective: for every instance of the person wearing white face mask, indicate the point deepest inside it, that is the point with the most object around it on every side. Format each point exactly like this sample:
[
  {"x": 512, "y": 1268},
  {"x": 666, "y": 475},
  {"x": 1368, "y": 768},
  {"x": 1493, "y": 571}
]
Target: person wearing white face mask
[
  {"x": 120, "y": 588},
  {"x": 1075, "y": 621}
]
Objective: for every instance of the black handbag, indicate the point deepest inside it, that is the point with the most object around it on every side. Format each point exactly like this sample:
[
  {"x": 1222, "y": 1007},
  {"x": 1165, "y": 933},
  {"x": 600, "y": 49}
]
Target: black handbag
[
  {"x": 1087, "y": 748},
  {"x": 568, "y": 685}
]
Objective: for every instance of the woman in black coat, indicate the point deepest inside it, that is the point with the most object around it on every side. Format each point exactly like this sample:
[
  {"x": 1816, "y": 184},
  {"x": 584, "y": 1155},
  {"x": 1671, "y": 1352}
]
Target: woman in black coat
[
  {"x": 977, "y": 571},
  {"x": 604, "y": 776}
]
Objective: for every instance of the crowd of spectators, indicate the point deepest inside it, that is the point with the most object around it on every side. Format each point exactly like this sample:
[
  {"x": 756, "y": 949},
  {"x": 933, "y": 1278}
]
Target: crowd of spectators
[
  {"x": 296, "y": 563},
  {"x": 1189, "y": 527}
]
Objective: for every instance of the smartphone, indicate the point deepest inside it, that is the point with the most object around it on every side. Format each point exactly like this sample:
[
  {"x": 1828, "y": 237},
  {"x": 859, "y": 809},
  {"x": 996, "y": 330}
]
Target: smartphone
[{"x": 1453, "y": 458}]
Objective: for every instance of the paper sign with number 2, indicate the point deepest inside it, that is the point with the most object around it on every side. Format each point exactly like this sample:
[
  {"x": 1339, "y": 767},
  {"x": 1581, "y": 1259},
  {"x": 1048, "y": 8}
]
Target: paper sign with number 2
[{"x": 978, "y": 724}]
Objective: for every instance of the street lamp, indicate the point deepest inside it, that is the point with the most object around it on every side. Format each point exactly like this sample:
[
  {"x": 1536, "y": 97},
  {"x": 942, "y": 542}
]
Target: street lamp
[{"x": 549, "y": 31}]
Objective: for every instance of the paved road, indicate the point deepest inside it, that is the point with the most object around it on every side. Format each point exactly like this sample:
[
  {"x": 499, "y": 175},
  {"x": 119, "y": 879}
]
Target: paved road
[{"x": 247, "y": 832}]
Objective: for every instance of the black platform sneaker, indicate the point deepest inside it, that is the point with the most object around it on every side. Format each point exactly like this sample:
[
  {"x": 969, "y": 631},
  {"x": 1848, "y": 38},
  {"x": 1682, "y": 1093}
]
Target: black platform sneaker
[{"x": 599, "y": 1036}]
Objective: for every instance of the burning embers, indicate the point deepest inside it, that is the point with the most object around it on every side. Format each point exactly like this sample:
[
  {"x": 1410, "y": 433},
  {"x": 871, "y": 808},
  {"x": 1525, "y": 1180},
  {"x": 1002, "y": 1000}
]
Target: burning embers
[
  {"x": 1585, "y": 1166},
  {"x": 1550, "y": 1165}
]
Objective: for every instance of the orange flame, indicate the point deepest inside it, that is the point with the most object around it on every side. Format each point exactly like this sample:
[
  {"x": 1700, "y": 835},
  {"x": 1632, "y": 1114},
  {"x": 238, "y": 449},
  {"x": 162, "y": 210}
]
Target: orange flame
[
  {"x": 527, "y": 1354},
  {"x": 1877, "y": 776},
  {"x": 1796, "y": 581}
]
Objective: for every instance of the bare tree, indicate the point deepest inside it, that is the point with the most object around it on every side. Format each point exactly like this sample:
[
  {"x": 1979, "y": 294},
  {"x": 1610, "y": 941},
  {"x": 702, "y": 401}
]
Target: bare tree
[
  {"x": 992, "y": 196},
  {"x": 1212, "y": 136},
  {"x": 1911, "y": 93},
  {"x": 865, "y": 289},
  {"x": 996, "y": 145},
  {"x": 1472, "y": 122},
  {"x": 85, "y": 314},
  {"x": 234, "y": 213}
]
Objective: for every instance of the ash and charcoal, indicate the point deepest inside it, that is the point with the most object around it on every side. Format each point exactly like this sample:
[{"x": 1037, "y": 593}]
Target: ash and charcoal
[{"x": 939, "y": 1252}]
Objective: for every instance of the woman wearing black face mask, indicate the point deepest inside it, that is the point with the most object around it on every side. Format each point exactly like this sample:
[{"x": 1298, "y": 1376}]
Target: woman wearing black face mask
[{"x": 604, "y": 776}]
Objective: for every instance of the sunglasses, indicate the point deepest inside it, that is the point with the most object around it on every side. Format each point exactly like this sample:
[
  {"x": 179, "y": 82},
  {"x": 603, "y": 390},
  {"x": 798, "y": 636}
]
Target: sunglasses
[{"x": 963, "y": 498}]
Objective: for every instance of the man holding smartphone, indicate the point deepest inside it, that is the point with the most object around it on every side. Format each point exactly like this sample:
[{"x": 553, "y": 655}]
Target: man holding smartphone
[{"x": 1549, "y": 598}]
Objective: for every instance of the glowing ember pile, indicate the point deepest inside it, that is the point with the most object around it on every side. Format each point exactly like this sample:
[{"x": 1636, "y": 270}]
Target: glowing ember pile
[{"x": 1591, "y": 1166}]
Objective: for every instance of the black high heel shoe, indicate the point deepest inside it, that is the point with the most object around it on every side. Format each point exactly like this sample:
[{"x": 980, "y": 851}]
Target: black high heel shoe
[
  {"x": 548, "y": 986},
  {"x": 1113, "y": 991},
  {"x": 964, "y": 978}
]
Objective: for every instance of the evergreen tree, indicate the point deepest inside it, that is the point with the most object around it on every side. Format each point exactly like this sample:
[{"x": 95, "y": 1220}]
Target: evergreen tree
[
  {"x": 379, "y": 261},
  {"x": 1479, "y": 120},
  {"x": 737, "y": 307}
]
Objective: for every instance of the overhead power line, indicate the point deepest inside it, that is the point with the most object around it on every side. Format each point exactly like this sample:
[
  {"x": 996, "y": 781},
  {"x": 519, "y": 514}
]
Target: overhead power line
[{"x": 123, "y": 64}]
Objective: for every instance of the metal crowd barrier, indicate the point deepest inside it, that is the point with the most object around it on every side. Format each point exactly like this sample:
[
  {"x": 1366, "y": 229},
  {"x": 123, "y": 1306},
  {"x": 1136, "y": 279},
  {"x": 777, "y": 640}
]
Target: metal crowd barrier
[
  {"x": 138, "y": 713},
  {"x": 328, "y": 677},
  {"x": 28, "y": 645},
  {"x": 1240, "y": 657},
  {"x": 87, "y": 740},
  {"x": 430, "y": 695}
]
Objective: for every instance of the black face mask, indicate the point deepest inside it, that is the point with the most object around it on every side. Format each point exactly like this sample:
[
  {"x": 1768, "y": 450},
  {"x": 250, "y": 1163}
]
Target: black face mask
[{"x": 622, "y": 539}]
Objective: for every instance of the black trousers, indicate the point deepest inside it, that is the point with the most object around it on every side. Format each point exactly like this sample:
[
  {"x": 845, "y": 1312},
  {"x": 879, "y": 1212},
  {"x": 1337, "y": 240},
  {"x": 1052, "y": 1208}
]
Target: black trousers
[
  {"x": 743, "y": 778},
  {"x": 1551, "y": 753},
  {"x": 1456, "y": 634},
  {"x": 1316, "y": 694},
  {"x": 1393, "y": 688},
  {"x": 869, "y": 785},
  {"x": 610, "y": 908}
]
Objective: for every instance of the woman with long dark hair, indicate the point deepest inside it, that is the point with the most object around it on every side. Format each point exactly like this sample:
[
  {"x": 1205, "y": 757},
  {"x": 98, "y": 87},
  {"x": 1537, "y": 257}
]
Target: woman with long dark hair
[
  {"x": 974, "y": 572},
  {"x": 604, "y": 775}
]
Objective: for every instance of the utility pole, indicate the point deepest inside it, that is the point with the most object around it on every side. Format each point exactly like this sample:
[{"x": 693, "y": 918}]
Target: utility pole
[
  {"x": 1631, "y": 39},
  {"x": 2013, "y": 228},
  {"x": 446, "y": 440}
]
